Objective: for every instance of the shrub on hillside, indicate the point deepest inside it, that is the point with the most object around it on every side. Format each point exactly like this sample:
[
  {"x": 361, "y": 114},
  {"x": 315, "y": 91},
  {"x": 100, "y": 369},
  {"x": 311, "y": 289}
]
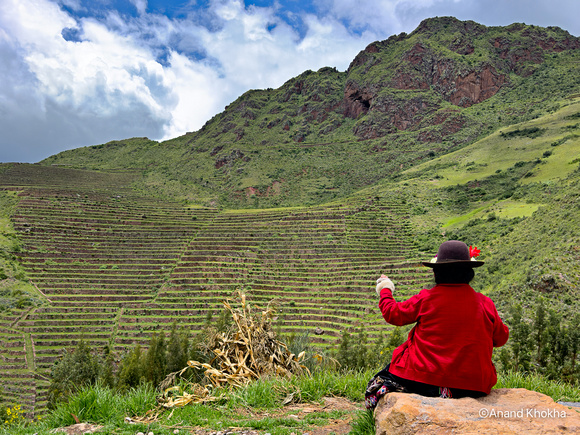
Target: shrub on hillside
[
  {"x": 131, "y": 369},
  {"x": 83, "y": 367},
  {"x": 161, "y": 358},
  {"x": 545, "y": 344},
  {"x": 73, "y": 371},
  {"x": 531, "y": 132},
  {"x": 357, "y": 352}
]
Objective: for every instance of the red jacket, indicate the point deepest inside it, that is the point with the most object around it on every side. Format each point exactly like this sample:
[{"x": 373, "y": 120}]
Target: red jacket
[{"x": 452, "y": 342}]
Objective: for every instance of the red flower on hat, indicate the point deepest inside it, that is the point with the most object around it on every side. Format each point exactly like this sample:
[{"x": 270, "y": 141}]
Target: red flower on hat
[{"x": 473, "y": 251}]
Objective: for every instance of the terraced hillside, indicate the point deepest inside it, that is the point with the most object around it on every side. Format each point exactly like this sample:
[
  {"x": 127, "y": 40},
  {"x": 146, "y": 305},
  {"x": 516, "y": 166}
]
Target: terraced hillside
[{"x": 112, "y": 267}]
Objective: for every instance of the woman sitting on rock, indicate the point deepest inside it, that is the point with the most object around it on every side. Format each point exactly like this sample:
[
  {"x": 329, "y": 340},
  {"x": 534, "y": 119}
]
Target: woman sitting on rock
[{"x": 448, "y": 351}]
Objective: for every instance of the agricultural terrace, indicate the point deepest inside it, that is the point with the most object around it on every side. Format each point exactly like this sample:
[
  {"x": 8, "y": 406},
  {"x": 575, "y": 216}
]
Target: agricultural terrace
[{"x": 113, "y": 267}]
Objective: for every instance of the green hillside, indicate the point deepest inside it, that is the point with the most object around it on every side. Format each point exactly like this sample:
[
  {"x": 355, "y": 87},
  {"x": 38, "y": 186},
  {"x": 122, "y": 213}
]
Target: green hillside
[
  {"x": 302, "y": 196},
  {"x": 514, "y": 194},
  {"x": 326, "y": 134}
]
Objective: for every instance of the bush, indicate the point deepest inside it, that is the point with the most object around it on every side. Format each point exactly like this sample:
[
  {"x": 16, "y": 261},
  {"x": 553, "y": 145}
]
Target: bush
[
  {"x": 532, "y": 133},
  {"x": 131, "y": 370},
  {"x": 544, "y": 345},
  {"x": 74, "y": 371},
  {"x": 82, "y": 367},
  {"x": 359, "y": 354}
]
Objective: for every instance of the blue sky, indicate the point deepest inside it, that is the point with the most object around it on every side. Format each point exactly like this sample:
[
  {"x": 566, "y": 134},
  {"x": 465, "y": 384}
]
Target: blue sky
[{"x": 84, "y": 72}]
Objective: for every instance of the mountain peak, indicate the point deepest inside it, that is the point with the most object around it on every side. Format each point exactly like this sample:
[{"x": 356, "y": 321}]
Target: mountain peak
[
  {"x": 430, "y": 26},
  {"x": 328, "y": 133}
]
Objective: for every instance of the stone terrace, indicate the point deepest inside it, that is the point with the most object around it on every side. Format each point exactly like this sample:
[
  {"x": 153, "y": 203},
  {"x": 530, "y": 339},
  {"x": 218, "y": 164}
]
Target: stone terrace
[{"x": 113, "y": 267}]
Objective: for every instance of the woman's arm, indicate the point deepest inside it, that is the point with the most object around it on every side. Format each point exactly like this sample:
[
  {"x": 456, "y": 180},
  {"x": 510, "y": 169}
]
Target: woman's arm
[{"x": 399, "y": 313}]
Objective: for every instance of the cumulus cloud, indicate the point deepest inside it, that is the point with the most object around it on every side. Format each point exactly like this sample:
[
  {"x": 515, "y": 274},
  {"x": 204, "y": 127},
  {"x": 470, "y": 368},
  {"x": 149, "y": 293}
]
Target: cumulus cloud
[{"x": 86, "y": 90}]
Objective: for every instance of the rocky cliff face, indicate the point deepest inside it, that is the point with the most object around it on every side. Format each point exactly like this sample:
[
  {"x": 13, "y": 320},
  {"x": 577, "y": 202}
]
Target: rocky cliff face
[{"x": 443, "y": 61}]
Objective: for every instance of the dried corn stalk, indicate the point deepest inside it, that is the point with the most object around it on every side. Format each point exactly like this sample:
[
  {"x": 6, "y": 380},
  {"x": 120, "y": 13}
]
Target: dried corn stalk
[{"x": 246, "y": 352}]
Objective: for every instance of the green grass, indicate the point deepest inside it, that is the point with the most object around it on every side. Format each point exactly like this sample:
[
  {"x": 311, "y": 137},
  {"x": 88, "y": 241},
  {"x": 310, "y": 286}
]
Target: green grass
[
  {"x": 15, "y": 288},
  {"x": 559, "y": 391},
  {"x": 258, "y": 406},
  {"x": 509, "y": 209},
  {"x": 495, "y": 153},
  {"x": 364, "y": 423},
  {"x": 466, "y": 217},
  {"x": 559, "y": 164}
]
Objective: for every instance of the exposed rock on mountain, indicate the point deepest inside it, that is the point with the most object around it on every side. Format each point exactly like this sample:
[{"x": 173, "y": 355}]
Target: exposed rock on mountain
[
  {"x": 426, "y": 60},
  {"x": 402, "y": 101}
]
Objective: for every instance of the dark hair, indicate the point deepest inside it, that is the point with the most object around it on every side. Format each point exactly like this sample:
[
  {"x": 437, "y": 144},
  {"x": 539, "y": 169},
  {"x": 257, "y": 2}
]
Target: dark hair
[{"x": 453, "y": 274}]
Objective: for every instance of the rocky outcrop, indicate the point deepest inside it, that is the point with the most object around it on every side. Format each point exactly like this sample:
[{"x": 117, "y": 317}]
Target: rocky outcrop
[
  {"x": 452, "y": 25},
  {"x": 356, "y": 100},
  {"x": 519, "y": 54},
  {"x": 392, "y": 112},
  {"x": 421, "y": 70},
  {"x": 459, "y": 86},
  {"x": 233, "y": 157},
  {"x": 459, "y": 62},
  {"x": 475, "y": 86},
  {"x": 504, "y": 411}
]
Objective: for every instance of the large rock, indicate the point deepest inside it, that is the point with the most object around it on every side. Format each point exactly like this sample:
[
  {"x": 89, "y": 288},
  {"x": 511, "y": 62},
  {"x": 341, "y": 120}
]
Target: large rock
[{"x": 504, "y": 411}]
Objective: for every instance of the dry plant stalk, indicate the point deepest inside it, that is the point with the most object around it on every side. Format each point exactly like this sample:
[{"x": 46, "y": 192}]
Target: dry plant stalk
[
  {"x": 150, "y": 417},
  {"x": 248, "y": 351}
]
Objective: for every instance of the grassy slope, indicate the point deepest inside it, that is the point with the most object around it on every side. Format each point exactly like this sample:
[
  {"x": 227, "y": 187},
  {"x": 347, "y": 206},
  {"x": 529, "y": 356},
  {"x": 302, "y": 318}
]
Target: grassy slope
[
  {"x": 556, "y": 151},
  {"x": 15, "y": 289},
  {"x": 514, "y": 196}
]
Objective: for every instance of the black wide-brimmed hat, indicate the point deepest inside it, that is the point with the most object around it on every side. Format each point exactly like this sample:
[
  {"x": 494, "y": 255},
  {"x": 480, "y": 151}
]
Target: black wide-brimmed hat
[{"x": 454, "y": 252}]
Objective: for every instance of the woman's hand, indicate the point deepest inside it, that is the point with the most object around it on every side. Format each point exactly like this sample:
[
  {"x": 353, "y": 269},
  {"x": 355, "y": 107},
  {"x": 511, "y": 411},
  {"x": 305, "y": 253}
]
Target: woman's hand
[{"x": 384, "y": 282}]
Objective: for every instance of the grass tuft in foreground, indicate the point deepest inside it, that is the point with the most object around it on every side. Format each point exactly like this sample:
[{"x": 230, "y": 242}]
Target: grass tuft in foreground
[{"x": 364, "y": 424}]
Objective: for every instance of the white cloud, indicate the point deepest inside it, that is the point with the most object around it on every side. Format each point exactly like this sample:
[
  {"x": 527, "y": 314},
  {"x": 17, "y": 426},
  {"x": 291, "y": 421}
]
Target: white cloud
[
  {"x": 106, "y": 75},
  {"x": 379, "y": 16},
  {"x": 140, "y": 5},
  {"x": 200, "y": 91},
  {"x": 389, "y": 17}
]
